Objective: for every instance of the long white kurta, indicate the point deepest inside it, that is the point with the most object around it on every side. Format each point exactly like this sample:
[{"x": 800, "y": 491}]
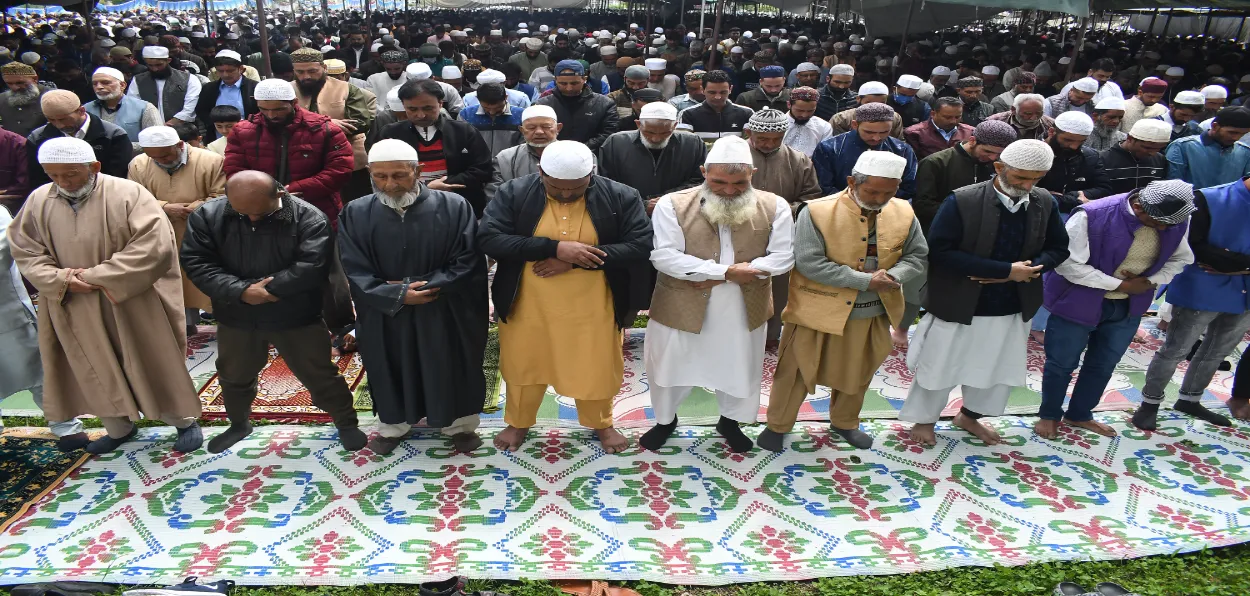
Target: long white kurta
[{"x": 724, "y": 356}]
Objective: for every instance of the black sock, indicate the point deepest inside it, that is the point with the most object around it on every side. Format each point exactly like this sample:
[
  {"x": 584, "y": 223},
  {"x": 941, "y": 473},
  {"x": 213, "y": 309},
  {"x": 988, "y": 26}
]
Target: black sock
[
  {"x": 107, "y": 444},
  {"x": 738, "y": 442},
  {"x": 771, "y": 440},
  {"x": 352, "y": 438},
  {"x": 1199, "y": 411},
  {"x": 857, "y": 438},
  {"x": 1146, "y": 417},
  {"x": 658, "y": 435},
  {"x": 73, "y": 442},
  {"x": 230, "y": 436},
  {"x": 189, "y": 438}
]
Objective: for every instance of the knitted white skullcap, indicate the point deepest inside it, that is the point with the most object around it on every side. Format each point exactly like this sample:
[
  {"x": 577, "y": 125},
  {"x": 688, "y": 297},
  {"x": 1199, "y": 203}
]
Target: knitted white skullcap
[
  {"x": 1174, "y": 71},
  {"x": 607, "y": 51},
  {"x": 534, "y": 43},
  {"x": 842, "y": 69},
  {"x": 1190, "y": 98},
  {"x": 941, "y": 71},
  {"x": 111, "y": 72},
  {"x": 1151, "y": 131},
  {"x": 873, "y": 88},
  {"x": 536, "y": 111},
  {"x": 158, "y": 136},
  {"x": 656, "y": 63},
  {"x": 881, "y": 164},
  {"x": 1214, "y": 92},
  {"x": 490, "y": 75},
  {"x": 419, "y": 71},
  {"x": 806, "y": 67},
  {"x": 658, "y": 110},
  {"x": 451, "y": 72},
  {"x": 274, "y": 90},
  {"x": 231, "y": 54},
  {"x": 1028, "y": 154},
  {"x": 66, "y": 150},
  {"x": 567, "y": 160},
  {"x": 909, "y": 81},
  {"x": 729, "y": 150},
  {"x": 393, "y": 103},
  {"x": 1109, "y": 103},
  {"x": 1077, "y": 123},
  {"x": 392, "y": 150},
  {"x": 1087, "y": 84},
  {"x": 155, "y": 52},
  {"x": 990, "y": 70}
]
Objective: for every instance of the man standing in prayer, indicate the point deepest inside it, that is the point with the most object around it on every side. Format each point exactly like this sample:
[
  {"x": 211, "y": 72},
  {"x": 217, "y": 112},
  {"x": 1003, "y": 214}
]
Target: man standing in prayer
[
  {"x": 587, "y": 117},
  {"x": 1004, "y": 101},
  {"x": 1146, "y": 104},
  {"x": 1027, "y": 117},
  {"x": 1108, "y": 113},
  {"x": 173, "y": 92},
  {"x": 112, "y": 105},
  {"x": 1097, "y": 297},
  {"x": 717, "y": 116},
  {"x": 966, "y": 163},
  {"x": 713, "y": 298},
  {"x": 870, "y": 131},
  {"x": 182, "y": 178},
  {"x": 836, "y": 96},
  {"x": 840, "y": 343},
  {"x": 943, "y": 130},
  {"x": 1077, "y": 99},
  {"x": 658, "y": 79},
  {"x": 694, "y": 91},
  {"x": 1077, "y": 175},
  {"x": 1213, "y": 157},
  {"x": 67, "y": 118},
  {"x": 1211, "y": 301},
  {"x": 349, "y": 107},
  {"x": 231, "y": 88},
  {"x": 975, "y": 110},
  {"x": 566, "y": 242},
  {"x": 540, "y": 129},
  {"x": 771, "y": 93},
  {"x": 420, "y": 289},
  {"x": 112, "y": 334},
  {"x": 870, "y": 92},
  {"x": 393, "y": 61},
  {"x": 1137, "y": 160},
  {"x": 1182, "y": 115},
  {"x": 987, "y": 246},
  {"x": 19, "y": 104},
  {"x": 675, "y": 160},
  {"x": 806, "y": 131},
  {"x": 904, "y": 102}
]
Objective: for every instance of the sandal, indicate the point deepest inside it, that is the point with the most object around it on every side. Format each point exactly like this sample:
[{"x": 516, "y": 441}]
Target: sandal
[
  {"x": 592, "y": 588},
  {"x": 1111, "y": 589}
]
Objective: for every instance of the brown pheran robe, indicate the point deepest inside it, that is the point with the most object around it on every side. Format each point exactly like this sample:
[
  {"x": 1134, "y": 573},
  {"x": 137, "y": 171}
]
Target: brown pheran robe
[{"x": 120, "y": 351}]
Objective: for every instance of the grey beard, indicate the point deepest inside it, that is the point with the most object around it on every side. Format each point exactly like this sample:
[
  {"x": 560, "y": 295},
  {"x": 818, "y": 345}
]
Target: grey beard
[
  {"x": 538, "y": 145},
  {"x": 77, "y": 195},
  {"x": 655, "y": 146},
  {"x": 109, "y": 96},
  {"x": 24, "y": 98},
  {"x": 855, "y": 197},
  {"x": 399, "y": 203},
  {"x": 729, "y": 211},
  {"x": 1011, "y": 190},
  {"x": 182, "y": 160}
]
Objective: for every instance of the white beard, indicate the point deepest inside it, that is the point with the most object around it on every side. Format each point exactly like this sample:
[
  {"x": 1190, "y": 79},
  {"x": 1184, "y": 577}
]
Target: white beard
[
  {"x": 729, "y": 211},
  {"x": 399, "y": 203},
  {"x": 1011, "y": 190},
  {"x": 855, "y": 197},
  {"x": 109, "y": 96},
  {"x": 539, "y": 145},
  {"x": 655, "y": 146},
  {"x": 77, "y": 195},
  {"x": 26, "y": 97}
]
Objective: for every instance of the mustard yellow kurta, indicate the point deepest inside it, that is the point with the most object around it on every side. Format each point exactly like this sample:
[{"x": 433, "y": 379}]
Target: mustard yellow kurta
[
  {"x": 201, "y": 179},
  {"x": 561, "y": 331}
]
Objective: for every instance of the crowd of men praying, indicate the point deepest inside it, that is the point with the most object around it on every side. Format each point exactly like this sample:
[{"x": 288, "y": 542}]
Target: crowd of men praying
[{"x": 397, "y": 183}]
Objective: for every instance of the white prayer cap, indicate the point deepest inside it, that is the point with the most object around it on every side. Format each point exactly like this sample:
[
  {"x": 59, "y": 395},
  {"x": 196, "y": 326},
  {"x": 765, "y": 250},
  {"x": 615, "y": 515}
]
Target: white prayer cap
[
  {"x": 392, "y": 100},
  {"x": 873, "y": 88},
  {"x": 375, "y": 47},
  {"x": 1065, "y": 60},
  {"x": 490, "y": 75},
  {"x": 658, "y": 110},
  {"x": 537, "y": 111},
  {"x": 633, "y": 25},
  {"x": 1151, "y": 131},
  {"x": 1245, "y": 79},
  {"x": 620, "y": 35},
  {"x": 110, "y": 72},
  {"x": 656, "y": 63},
  {"x": 451, "y": 72},
  {"x": 951, "y": 50},
  {"x": 736, "y": 50},
  {"x": 1077, "y": 123},
  {"x": 543, "y": 28},
  {"x": 107, "y": 43},
  {"x": 1109, "y": 103},
  {"x": 392, "y": 150},
  {"x": 567, "y": 160},
  {"x": 158, "y": 136},
  {"x": 857, "y": 48},
  {"x": 1028, "y": 154},
  {"x": 1214, "y": 92},
  {"x": 909, "y": 81},
  {"x": 66, "y": 150},
  {"x": 607, "y": 51},
  {"x": 231, "y": 54},
  {"x": 765, "y": 31},
  {"x": 184, "y": 41},
  {"x": 324, "y": 50},
  {"x": 522, "y": 25},
  {"x": 419, "y": 71},
  {"x": 155, "y": 52},
  {"x": 533, "y": 43},
  {"x": 990, "y": 70},
  {"x": 659, "y": 31},
  {"x": 1087, "y": 84},
  {"x": 274, "y": 90},
  {"x": 1044, "y": 70},
  {"x": 1174, "y": 71},
  {"x": 748, "y": 34},
  {"x": 882, "y": 164},
  {"x": 1190, "y": 98},
  {"x": 496, "y": 32},
  {"x": 941, "y": 71},
  {"x": 729, "y": 150}
]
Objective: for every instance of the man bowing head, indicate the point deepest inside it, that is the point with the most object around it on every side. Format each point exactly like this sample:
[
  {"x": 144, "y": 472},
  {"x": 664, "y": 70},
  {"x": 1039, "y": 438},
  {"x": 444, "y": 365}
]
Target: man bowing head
[{"x": 717, "y": 247}]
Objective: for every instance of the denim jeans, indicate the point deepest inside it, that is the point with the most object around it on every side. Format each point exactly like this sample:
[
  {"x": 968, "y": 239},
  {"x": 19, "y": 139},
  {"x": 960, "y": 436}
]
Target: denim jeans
[
  {"x": 1219, "y": 332},
  {"x": 1038, "y": 323},
  {"x": 1103, "y": 345}
]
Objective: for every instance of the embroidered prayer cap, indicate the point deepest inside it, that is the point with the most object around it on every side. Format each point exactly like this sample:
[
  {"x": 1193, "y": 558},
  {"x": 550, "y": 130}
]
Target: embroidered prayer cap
[
  {"x": 990, "y": 70},
  {"x": 657, "y": 64},
  {"x": 729, "y": 150},
  {"x": 536, "y": 111},
  {"x": 390, "y": 57},
  {"x": 158, "y": 136},
  {"x": 392, "y": 150},
  {"x": 658, "y": 110},
  {"x": 335, "y": 66},
  {"x": 804, "y": 94},
  {"x": 1109, "y": 103},
  {"x": 772, "y": 72},
  {"x": 393, "y": 103},
  {"x": 694, "y": 75},
  {"x": 637, "y": 73},
  {"x": 1190, "y": 98},
  {"x": 909, "y": 81},
  {"x": 881, "y": 164},
  {"x": 1027, "y": 78},
  {"x": 274, "y": 90},
  {"x": 873, "y": 112},
  {"x": 490, "y": 75},
  {"x": 109, "y": 71},
  {"x": 1151, "y": 131},
  {"x": 570, "y": 68},
  {"x": 66, "y": 150},
  {"x": 1167, "y": 201},
  {"x": 804, "y": 67},
  {"x": 873, "y": 88},
  {"x": 1087, "y": 84},
  {"x": 156, "y": 52},
  {"x": 1234, "y": 117},
  {"x": 306, "y": 55},
  {"x": 1153, "y": 85},
  {"x": 967, "y": 82},
  {"x": 842, "y": 69},
  {"x": 59, "y": 102},
  {"x": 1214, "y": 92},
  {"x": 419, "y": 71},
  {"x": 994, "y": 133},
  {"x": 1028, "y": 154},
  {"x": 1077, "y": 123},
  {"x": 567, "y": 160},
  {"x": 769, "y": 120},
  {"x": 473, "y": 64}
]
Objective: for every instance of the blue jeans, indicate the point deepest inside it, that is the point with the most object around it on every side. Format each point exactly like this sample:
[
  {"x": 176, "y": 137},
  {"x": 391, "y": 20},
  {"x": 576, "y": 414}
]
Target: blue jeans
[
  {"x": 1103, "y": 345},
  {"x": 1040, "y": 319}
]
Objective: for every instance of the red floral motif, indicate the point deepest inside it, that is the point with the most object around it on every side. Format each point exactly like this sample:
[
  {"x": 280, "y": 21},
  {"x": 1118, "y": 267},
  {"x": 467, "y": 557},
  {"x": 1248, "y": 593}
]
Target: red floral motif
[
  {"x": 1209, "y": 471},
  {"x": 452, "y": 497},
  {"x": 769, "y": 542},
  {"x": 1038, "y": 480},
  {"x": 1070, "y": 435},
  {"x": 104, "y": 550},
  {"x": 989, "y": 531},
  {"x": 323, "y": 550},
  {"x": 896, "y": 366},
  {"x": 1180, "y": 518},
  {"x": 170, "y": 458}
]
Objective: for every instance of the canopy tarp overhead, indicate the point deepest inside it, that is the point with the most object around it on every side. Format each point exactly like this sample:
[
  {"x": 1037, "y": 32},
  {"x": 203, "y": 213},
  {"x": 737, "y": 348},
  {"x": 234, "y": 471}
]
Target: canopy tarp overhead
[{"x": 888, "y": 18}]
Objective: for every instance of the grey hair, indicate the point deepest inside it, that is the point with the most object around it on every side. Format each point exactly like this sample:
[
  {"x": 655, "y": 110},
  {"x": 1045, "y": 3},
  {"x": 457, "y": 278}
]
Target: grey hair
[
  {"x": 671, "y": 123},
  {"x": 859, "y": 177},
  {"x": 412, "y": 164},
  {"x": 1023, "y": 97},
  {"x": 732, "y": 168}
]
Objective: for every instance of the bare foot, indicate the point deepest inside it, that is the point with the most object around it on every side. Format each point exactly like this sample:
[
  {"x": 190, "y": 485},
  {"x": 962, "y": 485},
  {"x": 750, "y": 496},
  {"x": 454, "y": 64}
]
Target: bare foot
[
  {"x": 511, "y": 438},
  {"x": 923, "y": 434},
  {"x": 1093, "y": 425},
  {"x": 1141, "y": 337},
  {"x": 771, "y": 346},
  {"x": 1240, "y": 408},
  {"x": 1038, "y": 336},
  {"x": 899, "y": 337},
  {"x": 985, "y": 433},
  {"x": 612, "y": 440},
  {"x": 1046, "y": 429}
]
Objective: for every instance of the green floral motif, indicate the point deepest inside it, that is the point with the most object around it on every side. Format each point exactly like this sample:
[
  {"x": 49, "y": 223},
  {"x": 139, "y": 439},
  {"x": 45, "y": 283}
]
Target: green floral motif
[
  {"x": 1202, "y": 470},
  {"x": 655, "y": 495},
  {"x": 451, "y": 498},
  {"x": 250, "y": 498},
  {"x": 847, "y": 489},
  {"x": 325, "y": 549},
  {"x": 552, "y": 449},
  {"x": 986, "y": 531},
  {"x": 104, "y": 549},
  {"x": 770, "y": 543},
  {"x": 557, "y": 545},
  {"x": 201, "y": 559},
  {"x": 1180, "y": 519},
  {"x": 433, "y": 554},
  {"x": 679, "y": 556},
  {"x": 1044, "y": 481}
]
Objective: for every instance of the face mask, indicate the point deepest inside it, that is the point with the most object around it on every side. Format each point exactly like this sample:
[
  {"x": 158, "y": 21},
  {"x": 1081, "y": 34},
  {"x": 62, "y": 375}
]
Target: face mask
[{"x": 903, "y": 99}]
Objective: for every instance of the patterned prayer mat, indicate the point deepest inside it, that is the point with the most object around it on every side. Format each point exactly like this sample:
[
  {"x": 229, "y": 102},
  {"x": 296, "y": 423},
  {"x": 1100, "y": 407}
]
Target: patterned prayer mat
[
  {"x": 887, "y": 391},
  {"x": 27, "y": 468},
  {"x": 287, "y": 506}
]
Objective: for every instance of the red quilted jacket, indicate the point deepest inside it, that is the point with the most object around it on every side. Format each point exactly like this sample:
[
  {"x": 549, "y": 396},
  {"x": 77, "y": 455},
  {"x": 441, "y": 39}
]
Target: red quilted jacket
[{"x": 319, "y": 158}]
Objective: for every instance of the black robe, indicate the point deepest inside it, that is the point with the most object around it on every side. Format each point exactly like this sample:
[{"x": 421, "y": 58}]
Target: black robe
[{"x": 423, "y": 361}]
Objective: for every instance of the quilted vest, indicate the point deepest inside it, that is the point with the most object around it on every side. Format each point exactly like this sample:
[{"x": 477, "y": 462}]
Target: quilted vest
[
  {"x": 845, "y": 230},
  {"x": 170, "y": 101},
  {"x": 129, "y": 114},
  {"x": 332, "y": 102},
  {"x": 676, "y": 303}
]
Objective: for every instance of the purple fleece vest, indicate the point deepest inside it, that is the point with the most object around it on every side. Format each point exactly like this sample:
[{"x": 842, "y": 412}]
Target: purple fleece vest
[{"x": 1111, "y": 228}]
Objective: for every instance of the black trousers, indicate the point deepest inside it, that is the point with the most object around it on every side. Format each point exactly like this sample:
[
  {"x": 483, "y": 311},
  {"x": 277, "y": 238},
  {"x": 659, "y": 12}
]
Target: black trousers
[
  {"x": 1241, "y": 379},
  {"x": 243, "y": 353}
]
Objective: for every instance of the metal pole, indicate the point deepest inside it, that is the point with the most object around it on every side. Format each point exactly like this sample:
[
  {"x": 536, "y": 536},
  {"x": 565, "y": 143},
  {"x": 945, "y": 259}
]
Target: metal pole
[
  {"x": 1151, "y": 29},
  {"x": 716, "y": 57},
  {"x": 1167, "y": 23},
  {"x": 1080, "y": 43},
  {"x": 1206, "y": 29},
  {"x": 1241, "y": 28},
  {"x": 702, "y": 13},
  {"x": 531, "y": 10},
  {"x": 264, "y": 37},
  {"x": 902, "y": 47},
  {"x": 648, "y": 9},
  {"x": 681, "y": 20}
]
